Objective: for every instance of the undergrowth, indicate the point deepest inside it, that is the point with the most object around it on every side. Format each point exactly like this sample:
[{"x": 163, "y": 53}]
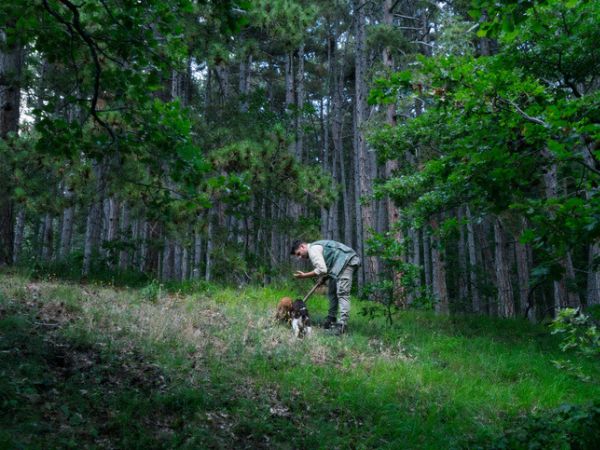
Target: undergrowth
[{"x": 98, "y": 367}]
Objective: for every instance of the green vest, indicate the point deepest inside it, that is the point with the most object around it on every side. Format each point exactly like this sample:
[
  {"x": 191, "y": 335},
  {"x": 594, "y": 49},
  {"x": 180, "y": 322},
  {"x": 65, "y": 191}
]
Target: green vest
[{"x": 336, "y": 255}]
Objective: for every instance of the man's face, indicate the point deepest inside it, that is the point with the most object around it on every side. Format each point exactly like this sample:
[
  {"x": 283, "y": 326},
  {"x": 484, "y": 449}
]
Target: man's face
[{"x": 302, "y": 251}]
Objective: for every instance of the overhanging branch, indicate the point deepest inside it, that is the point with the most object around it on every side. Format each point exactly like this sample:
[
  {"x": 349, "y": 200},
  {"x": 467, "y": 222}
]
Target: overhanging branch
[{"x": 75, "y": 28}]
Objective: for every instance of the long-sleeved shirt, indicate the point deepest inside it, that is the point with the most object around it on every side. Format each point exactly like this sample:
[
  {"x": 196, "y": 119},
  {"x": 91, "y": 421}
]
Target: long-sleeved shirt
[{"x": 315, "y": 254}]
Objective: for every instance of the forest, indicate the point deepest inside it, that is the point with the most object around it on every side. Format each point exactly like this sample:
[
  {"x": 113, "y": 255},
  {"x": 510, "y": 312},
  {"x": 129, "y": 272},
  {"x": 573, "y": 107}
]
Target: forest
[{"x": 158, "y": 158}]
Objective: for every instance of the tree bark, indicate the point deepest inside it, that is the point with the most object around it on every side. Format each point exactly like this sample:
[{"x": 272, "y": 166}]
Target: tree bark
[
  {"x": 19, "y": 233},
  {"x": 47, "y": 237},
  {"x": 197, "y": 255},
  {"x": 438, "y": 266},
  {"x": 66, "y": 230},
  {"x": 463, "y": 283},
  {"x": 125, "y": 235},
  {"x": 364, "y": 163},
  {"x": 523, "y": 267},
  {"x": 506, "y": 304},
  {"x": 427, "y": 262},
  {"x": 11, "y": 64},
  {"x": 473, "y": 281},
  {"x": 300, "y": 105}
]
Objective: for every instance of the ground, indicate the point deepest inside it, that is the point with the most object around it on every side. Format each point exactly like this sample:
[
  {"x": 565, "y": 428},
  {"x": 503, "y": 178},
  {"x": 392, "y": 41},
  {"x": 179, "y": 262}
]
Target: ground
[{"x": 103, "y": 367}]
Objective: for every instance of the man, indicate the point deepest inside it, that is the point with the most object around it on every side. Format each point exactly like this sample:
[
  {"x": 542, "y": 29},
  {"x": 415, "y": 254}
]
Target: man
[{"x": 337, "y": 262}]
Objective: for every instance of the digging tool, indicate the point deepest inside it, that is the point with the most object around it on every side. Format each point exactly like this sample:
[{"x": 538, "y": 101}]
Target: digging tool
[{"x": 314, "y": 288}]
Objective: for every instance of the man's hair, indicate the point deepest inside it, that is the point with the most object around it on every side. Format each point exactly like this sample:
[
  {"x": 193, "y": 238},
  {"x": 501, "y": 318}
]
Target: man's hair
[{"x": 295, "y": 245}]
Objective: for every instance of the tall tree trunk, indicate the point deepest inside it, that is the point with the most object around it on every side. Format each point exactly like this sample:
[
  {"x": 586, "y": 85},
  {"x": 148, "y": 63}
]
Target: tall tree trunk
[
  {"x": 463, "y": 284},
  {"x": 473, "y": 281},
  {"x": 210, "y": 243},
  {"x": 47, "y": 237},
  {"x": 19, "y": 232},
  {"x": 244, "y": 81},
  {"x": 167, "y": 260},
  {"x": 113, "y": 226},
  {"x": 11, "y": 63},
  {"x": 438, "y": 266},
  {"x": 523, "y": 268},
  {"x": 177, "y": 261},
  {"x": 289, "y": 81},
  {"x": 391, "y": 165},
  {"x": 364, "y": 163},
  {"x": 485, "y": 239},
  {"x": 415, "y": 235},
  {"x": 506, "y": 304},
  {"x": 300, "y": 105},
  {"x": 185, "y": 264},
  {"x": 94, "y": 218},
  {"x": 427, "y": 262},
  {"x": 125, "y": 235},
  {"x": 144, "y": 236},
  {"x": 66, "y": 230},
  {"x": 197, "y": 255},
  {"x": 563, "y": 297}
]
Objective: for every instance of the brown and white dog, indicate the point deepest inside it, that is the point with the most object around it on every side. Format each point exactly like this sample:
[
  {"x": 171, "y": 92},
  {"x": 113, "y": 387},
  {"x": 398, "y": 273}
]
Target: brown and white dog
[{"x": 300, "y": 319}]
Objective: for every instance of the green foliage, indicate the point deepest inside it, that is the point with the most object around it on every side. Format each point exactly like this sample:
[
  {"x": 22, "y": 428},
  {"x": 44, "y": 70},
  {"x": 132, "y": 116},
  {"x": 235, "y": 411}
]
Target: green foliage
[
  {"x": 152, "y": 292},
  {"x": 577, "y": 331},
  {"x": 568, "y": 427},
  {"x": 493, "y": 131}
]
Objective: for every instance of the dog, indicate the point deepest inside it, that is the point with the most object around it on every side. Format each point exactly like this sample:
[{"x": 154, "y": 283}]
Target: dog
[
  {"x": 300, "y": 319},
  {"x": 284, "y": 310}
]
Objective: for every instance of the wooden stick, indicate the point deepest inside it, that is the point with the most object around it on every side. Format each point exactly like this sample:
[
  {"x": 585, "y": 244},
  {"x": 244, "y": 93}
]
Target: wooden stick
[{"x": 314, "y": 288}]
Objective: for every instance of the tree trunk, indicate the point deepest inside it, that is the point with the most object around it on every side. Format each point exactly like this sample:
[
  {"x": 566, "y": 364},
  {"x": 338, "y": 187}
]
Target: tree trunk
[
  {"x": 144, "y": 236},
  {"x": 364, "y": 159},
  {"x": 523, "y": 268},
  {"x": 66, "y": 230},
  {"x": 47, "y": 237},
  {"x": 177, "y": 261},
  {"x": 210, "y": 242},
  {"x": 11, "y": 63},
  {"x": 415, "y": 235},
  {"x": 463, "y": 284},
  {"x": 300, "y": 105},
  {"x": 94, "y": 218},
  {"x": 125, "y": 235},
  {"x": 185, "y": 264},
  {"x": 19, "y": 232},
  {"x": 197, "y": 255},
  {"x": 167, "y": 260},
  {"x": 438, "y": 263},
  {"x": 506, "y": 305},
  {"x": 427, "y": 262},
  {"x": 473, "y": 281},
  {"x": 563, "y": 297}
]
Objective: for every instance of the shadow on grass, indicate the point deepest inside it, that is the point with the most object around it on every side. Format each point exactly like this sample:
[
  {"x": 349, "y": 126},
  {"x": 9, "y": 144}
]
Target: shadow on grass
[{"x": 60, "y": 392}]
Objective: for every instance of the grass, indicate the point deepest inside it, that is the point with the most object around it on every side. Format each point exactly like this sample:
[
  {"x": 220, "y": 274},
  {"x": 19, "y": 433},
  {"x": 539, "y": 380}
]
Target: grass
[{"x": 98, "y": 367}]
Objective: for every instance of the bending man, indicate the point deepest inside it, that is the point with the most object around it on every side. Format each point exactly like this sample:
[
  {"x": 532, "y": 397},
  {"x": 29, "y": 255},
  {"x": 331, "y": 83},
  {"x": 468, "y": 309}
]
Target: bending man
[{"x": 338, "y": 262}]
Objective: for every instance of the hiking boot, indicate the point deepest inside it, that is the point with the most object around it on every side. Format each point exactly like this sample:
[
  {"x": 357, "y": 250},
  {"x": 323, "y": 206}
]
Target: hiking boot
[
  {"x": 340, "y": 328},
  {"x": 329, "y": 323}
]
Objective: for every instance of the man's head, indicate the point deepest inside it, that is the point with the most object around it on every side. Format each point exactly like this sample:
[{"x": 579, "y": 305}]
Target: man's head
[{"x": 299, "y": 249}]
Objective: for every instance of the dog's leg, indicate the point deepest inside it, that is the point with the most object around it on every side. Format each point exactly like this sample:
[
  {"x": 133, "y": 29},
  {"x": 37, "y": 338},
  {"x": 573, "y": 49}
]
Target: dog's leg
[{"x": 296, "y": 327}]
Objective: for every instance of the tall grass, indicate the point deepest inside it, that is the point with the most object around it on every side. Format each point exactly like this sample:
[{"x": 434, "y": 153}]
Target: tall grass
[{"x": 211, "y": 368}]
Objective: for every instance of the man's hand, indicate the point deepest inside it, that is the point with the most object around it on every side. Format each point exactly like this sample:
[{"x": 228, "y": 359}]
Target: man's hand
[{"x": 300, "y": 274}]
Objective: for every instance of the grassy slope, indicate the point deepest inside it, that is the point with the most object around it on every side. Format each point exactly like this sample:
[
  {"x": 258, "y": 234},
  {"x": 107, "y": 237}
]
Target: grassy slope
[{"x": 98, "y": 367}]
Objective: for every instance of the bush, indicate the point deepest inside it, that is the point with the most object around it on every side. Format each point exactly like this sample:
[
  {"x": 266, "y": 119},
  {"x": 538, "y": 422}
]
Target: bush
[
  {"x": 578, "y": 332},
  {"x": 566, "y": 427}
]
